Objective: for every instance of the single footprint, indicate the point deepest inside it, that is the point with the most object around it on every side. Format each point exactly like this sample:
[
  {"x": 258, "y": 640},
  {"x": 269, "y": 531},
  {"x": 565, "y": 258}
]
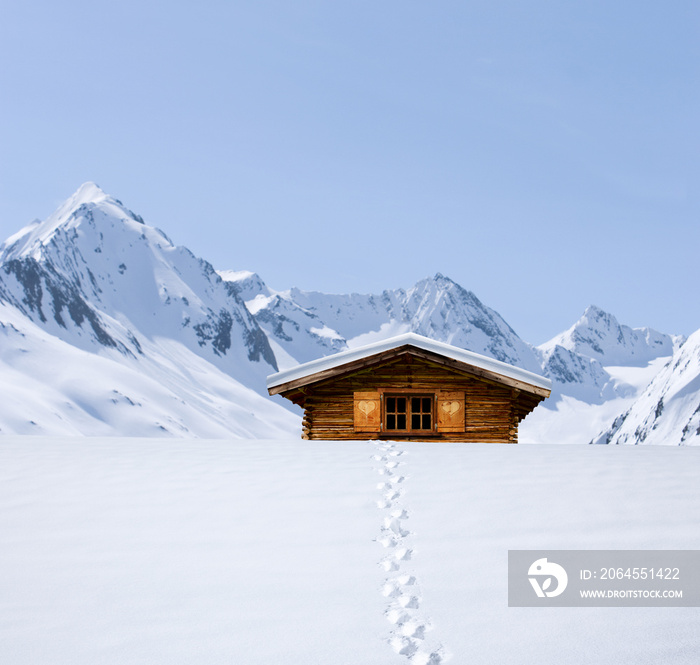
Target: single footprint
[
  {"x": 393, "y": 524},
  {"x": 408, "y": 601},
  {"x": 403, "y": 554},
  {"x": 423, "y": 658},
  {"x": 389, "y": 564},
  {"x": 387, "y": 541},
  {"x": 404, "y": 646},
  {"x": 414, "y": 629}
]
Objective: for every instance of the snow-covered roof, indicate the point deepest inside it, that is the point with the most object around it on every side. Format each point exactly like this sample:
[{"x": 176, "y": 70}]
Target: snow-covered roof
[{"x": 408, "y": 339}]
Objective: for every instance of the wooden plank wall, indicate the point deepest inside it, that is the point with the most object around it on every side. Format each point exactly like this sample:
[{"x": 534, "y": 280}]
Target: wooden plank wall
[{"x": 492, "y": 411}]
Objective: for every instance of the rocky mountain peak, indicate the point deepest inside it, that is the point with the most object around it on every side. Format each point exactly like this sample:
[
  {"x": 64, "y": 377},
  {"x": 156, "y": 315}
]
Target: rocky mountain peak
[
  {"x": 599, "y": 335},
  {"x": 94, "y": 273},
  {"x": 89, "y": 205},
  {"x": 245, "y": 284}
]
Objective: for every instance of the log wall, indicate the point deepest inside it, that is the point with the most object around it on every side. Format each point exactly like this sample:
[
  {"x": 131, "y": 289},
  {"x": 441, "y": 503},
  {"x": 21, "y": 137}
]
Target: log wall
[{"x": 492, "y": 411}]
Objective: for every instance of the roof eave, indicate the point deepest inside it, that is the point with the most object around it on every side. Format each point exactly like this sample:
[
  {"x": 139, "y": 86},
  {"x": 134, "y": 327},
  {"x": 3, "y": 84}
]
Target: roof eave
[{"x": 430, "y": 355}]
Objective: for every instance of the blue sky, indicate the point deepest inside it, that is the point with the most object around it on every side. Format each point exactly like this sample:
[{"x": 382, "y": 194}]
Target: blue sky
[{"x": 544, "y": 154}]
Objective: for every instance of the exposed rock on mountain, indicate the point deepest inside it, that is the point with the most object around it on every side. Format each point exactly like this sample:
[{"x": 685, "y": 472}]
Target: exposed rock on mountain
[{"x": 577, "y": 375}]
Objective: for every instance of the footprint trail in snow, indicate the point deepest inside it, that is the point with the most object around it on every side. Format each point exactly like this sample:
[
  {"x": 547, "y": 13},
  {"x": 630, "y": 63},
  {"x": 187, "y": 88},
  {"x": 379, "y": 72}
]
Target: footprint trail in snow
[{"x": 401, "y": 588}]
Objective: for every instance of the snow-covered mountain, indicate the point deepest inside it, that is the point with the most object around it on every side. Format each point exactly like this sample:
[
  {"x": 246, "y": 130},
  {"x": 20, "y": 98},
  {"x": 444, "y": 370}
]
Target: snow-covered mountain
[
  {"x": 303, "y": 325},
  {"x": 107, "y": 327},
  {"x": 598, "y": 366},
  {"x": 309, "y": 324},
  {"x": 598, "y": 335},
  {"x": 94, "y": 273},
  {"x": 295, "y": 333},
  {"x": 578, "y": 375},
  {"x": 576, "y": 360},
  {"x": 668, "y": 411},
  {"x": 51, "y": 387},
  {"x": 95, "y": 298}
]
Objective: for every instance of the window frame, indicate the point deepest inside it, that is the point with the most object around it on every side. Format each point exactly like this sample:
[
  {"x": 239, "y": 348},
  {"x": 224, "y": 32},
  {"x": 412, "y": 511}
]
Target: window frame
[{"x": 408, "y": 395}]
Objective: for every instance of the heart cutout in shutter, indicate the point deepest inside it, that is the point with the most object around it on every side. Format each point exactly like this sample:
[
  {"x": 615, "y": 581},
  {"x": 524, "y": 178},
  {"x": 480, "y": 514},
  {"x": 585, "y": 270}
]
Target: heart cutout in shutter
[
  {"x": 366, "y": 406},
  {"x": 450, "y": 408}
]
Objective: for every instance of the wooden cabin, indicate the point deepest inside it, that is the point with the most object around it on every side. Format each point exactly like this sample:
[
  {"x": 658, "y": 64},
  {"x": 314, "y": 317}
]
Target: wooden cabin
[{"x": 411, "y": 388}]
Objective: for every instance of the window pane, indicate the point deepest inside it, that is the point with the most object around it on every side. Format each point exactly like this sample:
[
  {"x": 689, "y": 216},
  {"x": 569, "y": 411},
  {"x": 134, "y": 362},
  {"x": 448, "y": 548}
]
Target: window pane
[
  {"x": 415, "y": 404},
  {"x": 401, "y": 405},
  {"x": 426, "y": 421},
  {"x": 391, "y": 404},
  {"x": 415, "y": 421},
  {"x": 426, "y": 404},
  {"x": 401, "y": 420},
  {"x": 391, "y": 421}
]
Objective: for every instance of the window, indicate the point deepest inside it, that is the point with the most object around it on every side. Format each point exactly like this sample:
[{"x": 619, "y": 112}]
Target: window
[
  {"x": 408, "y": 413},
  {"x": 398, "y": 412}
]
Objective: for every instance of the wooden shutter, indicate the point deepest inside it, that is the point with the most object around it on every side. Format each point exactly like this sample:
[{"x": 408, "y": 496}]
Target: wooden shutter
[
  {"x": 450, "y": 412},
  {"x": 367, "y": 412}
]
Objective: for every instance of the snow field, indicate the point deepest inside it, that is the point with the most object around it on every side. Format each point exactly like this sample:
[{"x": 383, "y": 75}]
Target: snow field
[
  {"x": 471, "y": 504},
  {"x": 147, "y": 551},
  {"x": 291, "y": 552}
]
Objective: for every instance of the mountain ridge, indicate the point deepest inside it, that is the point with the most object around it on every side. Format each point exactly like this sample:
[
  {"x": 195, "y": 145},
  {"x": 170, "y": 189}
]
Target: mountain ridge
[
  {"x": 441, "y": 309},
  {"x": 599, "y": 335},
  {"x": 95, "y": 276}
]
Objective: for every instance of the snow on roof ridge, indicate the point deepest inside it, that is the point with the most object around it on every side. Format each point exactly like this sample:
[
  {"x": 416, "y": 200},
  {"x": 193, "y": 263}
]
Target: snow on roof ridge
[{"x": 419, "y": 341}]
